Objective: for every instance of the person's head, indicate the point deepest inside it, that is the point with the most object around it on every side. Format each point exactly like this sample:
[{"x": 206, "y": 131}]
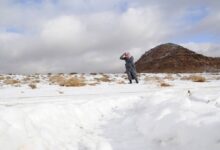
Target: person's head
[{"x": 127, "y": 55}]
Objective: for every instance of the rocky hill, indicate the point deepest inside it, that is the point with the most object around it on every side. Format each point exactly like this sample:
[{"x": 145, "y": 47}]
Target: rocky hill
[{"x": 172, "y": 58}]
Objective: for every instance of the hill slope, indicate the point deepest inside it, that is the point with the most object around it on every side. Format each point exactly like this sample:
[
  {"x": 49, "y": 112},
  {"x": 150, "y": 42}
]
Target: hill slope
[{"x": 174, "y": 58}]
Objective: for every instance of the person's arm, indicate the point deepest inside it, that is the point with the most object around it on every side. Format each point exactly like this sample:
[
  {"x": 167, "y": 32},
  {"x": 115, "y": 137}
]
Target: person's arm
[
  {"x": 122, "y": 57},
  {"x": 132, "y": 60}
]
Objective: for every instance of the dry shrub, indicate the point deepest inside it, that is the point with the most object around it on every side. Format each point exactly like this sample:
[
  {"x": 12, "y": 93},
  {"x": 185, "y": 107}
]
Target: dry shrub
[
  {"x": 138, "y": 75},
  {"x": 104, "y": 78},
  {"x": 154, "y": 78},
  {"x": 121, "y": 82},
  {"x": 11, "y": 81},
  {"x": 35, "y": 76},
  {"x": 217, "y": 78},
  {"x": 49, "y": 74},
  {"x": 32, "y": 85},
  {"x": 124, "y": 76},
  {"x": 26, "y": 80},
  {"x": 57, "y": 79},
  {"x": 36, "y": 81},
  {"x": 97, "y": 80},
  {"x": 215, "y": 73},
  {"x": 163, "y": 84},
  {"x": 2, "y": 77},
  {"x": 72, "y": 82},
  {"x": 194, "y": 78},
  {"x": 82, "y": 77},
  {"x": 31, "y": 79},
  {"x": 169, "y": 77},
  {"x": 198, "y": 79},
  {"x": 93, "y": 84},
  {"x": 185, "y": 78},
  {"x": 92, "y": 73},
  {"x": 62, "y": 81},
  {"x": 8, "y": 77},
  {"x": 73, "y": 73},
  {"x": 116, "y": 75}
]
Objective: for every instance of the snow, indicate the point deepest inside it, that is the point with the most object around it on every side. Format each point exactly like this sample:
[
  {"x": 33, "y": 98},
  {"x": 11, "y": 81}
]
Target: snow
[{"x": 111, "y": 116}]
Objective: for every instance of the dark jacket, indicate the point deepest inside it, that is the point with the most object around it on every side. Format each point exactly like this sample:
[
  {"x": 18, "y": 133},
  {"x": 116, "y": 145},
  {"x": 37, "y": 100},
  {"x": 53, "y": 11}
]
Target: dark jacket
[{"x": 130, "y": 67}]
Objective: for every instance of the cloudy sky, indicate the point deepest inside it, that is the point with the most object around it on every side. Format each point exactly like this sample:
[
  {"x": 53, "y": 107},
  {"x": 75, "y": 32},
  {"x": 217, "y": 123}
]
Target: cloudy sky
[{"x": 90, "y": 35}]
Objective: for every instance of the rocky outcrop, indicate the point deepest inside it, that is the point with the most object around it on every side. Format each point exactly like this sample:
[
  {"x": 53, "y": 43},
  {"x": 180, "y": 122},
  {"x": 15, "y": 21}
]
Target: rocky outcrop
[{"x": 172, "y": 58}]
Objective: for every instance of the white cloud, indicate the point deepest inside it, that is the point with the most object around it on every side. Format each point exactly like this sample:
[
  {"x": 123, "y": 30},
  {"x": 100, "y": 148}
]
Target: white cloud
[
  {"x": 63, "y": 32},
  {"x": 90, "y": 35},
  {"x": 208, "y": 49}
]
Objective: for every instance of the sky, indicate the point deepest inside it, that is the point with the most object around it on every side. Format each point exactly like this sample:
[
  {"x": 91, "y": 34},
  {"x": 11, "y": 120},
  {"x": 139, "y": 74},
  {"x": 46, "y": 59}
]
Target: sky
[{"x": 64, "y": 36}]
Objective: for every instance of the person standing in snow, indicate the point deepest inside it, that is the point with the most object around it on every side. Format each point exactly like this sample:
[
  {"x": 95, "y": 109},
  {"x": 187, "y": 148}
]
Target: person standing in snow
[{"x": 130, "y": 66}]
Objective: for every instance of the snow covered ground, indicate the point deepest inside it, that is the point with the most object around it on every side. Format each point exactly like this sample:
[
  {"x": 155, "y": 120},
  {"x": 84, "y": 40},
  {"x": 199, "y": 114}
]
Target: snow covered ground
[{"x": 111, "y": 115}]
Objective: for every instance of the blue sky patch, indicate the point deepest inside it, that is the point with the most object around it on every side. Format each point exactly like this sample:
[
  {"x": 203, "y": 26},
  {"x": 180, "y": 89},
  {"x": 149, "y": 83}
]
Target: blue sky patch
[
  {"x": 197, "y": 38},
  {"x": 14, "y": 30},
  {"x": 196, "y": 14}
]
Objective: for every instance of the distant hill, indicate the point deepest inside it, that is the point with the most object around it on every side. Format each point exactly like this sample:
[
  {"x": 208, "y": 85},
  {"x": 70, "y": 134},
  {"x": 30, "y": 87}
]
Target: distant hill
[{"x": 173, "y": 58}]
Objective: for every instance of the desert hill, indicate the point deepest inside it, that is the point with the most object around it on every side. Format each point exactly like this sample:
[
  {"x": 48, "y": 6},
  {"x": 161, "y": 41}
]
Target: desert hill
[{"x": 173, "y": 58}]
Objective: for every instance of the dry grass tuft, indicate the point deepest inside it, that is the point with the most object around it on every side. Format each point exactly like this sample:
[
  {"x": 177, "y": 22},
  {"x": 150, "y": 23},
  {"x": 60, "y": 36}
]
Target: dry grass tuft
[
  {"x": 121, "y": 82},
  {"x": 36, "y": 81},
  {"x": 26, "y": 79},
  {"x": 32, "y": 85},
  {"x": 82, "y": 77},
  {"x": 124, "y": 76},
  {"x": 198, "y": 79},
  {"x": 73, "y": 73},
  {"x": 93, "y": 84},
  {"x": 8, "y": 78},
  {"x": 2, "y": 78},
  {"x": 194, "y": 78},
  {"x": 71, "y": 82},
  {"x": 49, "y": 74},
  {"x": 57, "y": 79},
  {"x": 74, "y": 82},
  {"x": 217, "y": 78},
  {"x": 169, "y": 77},
  {"x": 31, "y": 79},
  {"x": 163, "y": 84},
  {"x": 185, "y": 78},
  {"x": 11, "y": 81},
  {"x": 152, "y": 78},
  {"x": 93, "y": 73},
  {"x": 104, "y": 78}
]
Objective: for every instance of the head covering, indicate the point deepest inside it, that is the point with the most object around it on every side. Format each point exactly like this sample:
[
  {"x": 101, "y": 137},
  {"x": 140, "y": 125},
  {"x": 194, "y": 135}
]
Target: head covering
[{"x": 127, "y": 55}]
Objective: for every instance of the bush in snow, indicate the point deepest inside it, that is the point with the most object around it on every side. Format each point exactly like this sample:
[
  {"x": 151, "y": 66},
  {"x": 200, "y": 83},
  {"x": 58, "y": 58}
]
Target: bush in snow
[
  {"x": 194, "y": 78},
  {"x": 32, "y": 86},
  {"x": 93, "y": 84},
  {"x": 74, "y": 82},
  {"x": 198, "y": 78},
  {"x": 152, "y": 78},
  {"x": 164, "y": 84},
  {"x": 57, "y": 79},
  {"x": 121, "y": 82},
  {"x": 11, "y": 81},
  {"x": 2, "y": 77},
  {"x": 169, "y": 77},
  {"x": 93, "y": 73},
  {"x": 104, "y": 78}
]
